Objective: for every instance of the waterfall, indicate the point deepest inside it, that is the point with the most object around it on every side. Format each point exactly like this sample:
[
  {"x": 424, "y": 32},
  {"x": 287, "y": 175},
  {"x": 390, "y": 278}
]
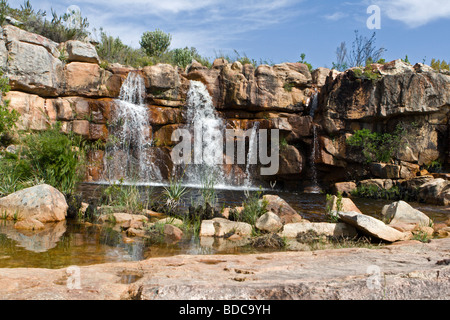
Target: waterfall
[
  {"x": 128, "y": 152},
  {"x": 313, "y": 107},
  {"x": 207, "y": 128},
  {"x": 251, "y": 155}
]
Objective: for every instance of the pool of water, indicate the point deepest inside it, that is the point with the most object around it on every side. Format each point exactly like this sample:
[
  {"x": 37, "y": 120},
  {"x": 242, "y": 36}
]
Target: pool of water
[{"x": 71, "y": 243}]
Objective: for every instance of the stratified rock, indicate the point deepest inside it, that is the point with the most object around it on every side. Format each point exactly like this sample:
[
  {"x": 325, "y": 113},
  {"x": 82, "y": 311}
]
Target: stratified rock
[
  {"x": 402, "y": 212},
  {"x": 81, "y": 51},
  {"x": 269, "y": 222},
  {"x": 321, "y": 228},
  {"x": 43, "y": 203},
  {"x": 371, "y": 226},
  {"x": 88, "y": 80},
  {"x": 282, "y": 209}
]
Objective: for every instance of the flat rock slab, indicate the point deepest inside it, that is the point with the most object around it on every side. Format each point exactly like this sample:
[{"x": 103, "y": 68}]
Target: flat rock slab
[
  {"x": 371, "y": 226},
  {"x": 412, "y": 270}
]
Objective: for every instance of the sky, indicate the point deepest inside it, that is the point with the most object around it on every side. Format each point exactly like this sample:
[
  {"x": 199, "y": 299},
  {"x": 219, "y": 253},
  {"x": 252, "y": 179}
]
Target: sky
[{"x": 275, "y": 31}]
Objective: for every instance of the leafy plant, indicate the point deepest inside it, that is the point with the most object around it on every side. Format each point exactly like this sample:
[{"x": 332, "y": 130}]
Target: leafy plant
[
  {"x": 155, "y": 43},
  {"x": 8, "y": 118},
  {"x": 439, "y": 65},
  {"x": 302, "y": 57},
  {"x": 173, "y": 195},
  {"x": 254, "y": 207}
]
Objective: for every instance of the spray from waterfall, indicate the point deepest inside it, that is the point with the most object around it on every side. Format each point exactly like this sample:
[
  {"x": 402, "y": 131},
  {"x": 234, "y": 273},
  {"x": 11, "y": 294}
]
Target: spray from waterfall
[{"x": 128, "y": 153}]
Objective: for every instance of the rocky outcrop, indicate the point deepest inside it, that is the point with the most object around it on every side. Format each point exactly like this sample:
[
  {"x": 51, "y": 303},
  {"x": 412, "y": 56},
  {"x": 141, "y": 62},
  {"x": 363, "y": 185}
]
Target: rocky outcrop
[
  {"x": 292, "y": 230},
  {"x": 401, "y": 212},
  {"x": 43, "y": 203}
]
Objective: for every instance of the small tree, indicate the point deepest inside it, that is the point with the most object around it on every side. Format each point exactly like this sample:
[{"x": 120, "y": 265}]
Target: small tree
[
  {"x": 155, "y": 43},
  {"x": 364, "y": 50},
  {"x": 8, "y": 118}
]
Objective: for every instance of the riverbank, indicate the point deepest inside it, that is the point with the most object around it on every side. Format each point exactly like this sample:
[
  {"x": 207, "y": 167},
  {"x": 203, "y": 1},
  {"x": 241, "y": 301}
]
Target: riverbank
[{"x": 407, "y": 270}]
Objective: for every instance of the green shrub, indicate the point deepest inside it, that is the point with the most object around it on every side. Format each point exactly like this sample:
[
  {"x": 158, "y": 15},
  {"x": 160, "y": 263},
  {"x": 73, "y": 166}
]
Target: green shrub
[
  {"x": 254, "y": 207},
  {"x": 303, "y": 56},
  {"x": 366, "y": 74},
  {"x": 439, "y": 65},
  {"x": 8, "y": 118},
  {"x": 155, "y": 43}
]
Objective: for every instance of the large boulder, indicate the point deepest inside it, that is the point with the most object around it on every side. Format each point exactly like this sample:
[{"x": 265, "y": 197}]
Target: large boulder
[
  {"x": 282, "y": 209},
  {"x": 32, "y": 64},
  {"x": 43, "y": 203},
  {"x": 402, "y": 212},
  {"x": 435, "y": 191},
  {"x": 371, "y": 226},
  {"x": 269, "y": 222},
  {"x": 223, "y": 227},
  {"x": 88, "y": 80},
  {"x": 81, "y": 51}
]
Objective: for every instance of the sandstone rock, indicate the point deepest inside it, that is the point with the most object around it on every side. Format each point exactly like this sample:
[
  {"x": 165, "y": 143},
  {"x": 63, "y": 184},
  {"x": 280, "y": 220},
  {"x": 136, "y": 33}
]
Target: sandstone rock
[
  {"x": 434, "y": 191},
  {"x": 321, "y": 228},
  {"x": 402, "y": 212},
  {"x": 170, "y": 220},
  {"x": 291, "y": 163},
  {"x": 81, "y": 127},
  {"x": 132, "y": 232},
  {"x": 86, "y": 79},
  {"x": 31, "y": 67},
  {"x": 282, "y": 209},
  {"x": 81, "y": 52},
  {"x": 43, "y": 203},
  {"x": 347, "y": 205},
  {"x": 173, "y": 232},
  {"x": 345, "y": 188},
  {"x": 269, "y": 222},
  {"x": 379, "y": 183},
  {"x": 396, "y": 67},
  {"x": 301, "y": 127},
  {"x": 371, "y": 226},
  {"x": 403, "y": 227},
  {"x": 35, "y": 112},
  {"x": 319, "y": 76},
  {"x": 224, "y": 226},
  {"x": 429, "y": 231},
  {"x": 162, "y": 77},
  {"x": 29, "y": 224},
  {"x": 207, "y": 228}
]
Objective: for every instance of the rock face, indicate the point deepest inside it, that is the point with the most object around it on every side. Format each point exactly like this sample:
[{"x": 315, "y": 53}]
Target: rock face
[
  {"x": 371, "y": 226},
  {"x": 401, "y": 212},
  {"x": 43, "y": 203},
  {"x": 313, "y": 111}
]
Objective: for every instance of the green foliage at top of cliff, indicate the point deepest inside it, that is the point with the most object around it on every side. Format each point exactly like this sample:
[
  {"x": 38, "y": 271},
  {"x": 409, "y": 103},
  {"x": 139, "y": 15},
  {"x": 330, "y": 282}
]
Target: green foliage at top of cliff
[
  {"x": 439, "y": 65},
  {"x": 61, "y": 28}
]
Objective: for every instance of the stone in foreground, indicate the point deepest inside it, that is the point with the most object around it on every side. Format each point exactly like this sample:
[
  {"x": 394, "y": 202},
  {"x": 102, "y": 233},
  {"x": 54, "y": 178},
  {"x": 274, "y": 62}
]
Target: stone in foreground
[
  {"x": 269, "y": 222},
  {"x": 371, "y": 226},
  {"x": 43, "y": 203},
  {"x": 322, "y": 228},
  {"x": 402, "y": 212},
  {"x": 224, "y": 226},
  {"x": 282, "y": 209}
]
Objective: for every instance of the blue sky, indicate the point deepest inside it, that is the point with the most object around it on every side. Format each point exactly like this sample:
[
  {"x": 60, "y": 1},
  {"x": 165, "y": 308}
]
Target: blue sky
[{"x": 273, "y": 30}]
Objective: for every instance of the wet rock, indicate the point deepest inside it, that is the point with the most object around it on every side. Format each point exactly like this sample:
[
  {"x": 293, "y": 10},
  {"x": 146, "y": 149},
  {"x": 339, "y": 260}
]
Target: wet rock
[
  {"x": 173, "y": 232},
  {"x": 269, "y": 222},
  {"x": 321, "y": 228},
  {"x": 371, "y": 226},
  {"x": 43, "y": 203},
  {"x": 282, "y": 209},
  {"x": 402, "y": 212}
]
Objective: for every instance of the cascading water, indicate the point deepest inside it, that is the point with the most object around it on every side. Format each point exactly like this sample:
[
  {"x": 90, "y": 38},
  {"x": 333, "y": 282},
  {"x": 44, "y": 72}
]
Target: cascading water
[
  {"x": 313, "y": 107},
  {"x": 251, "y": 155},
  {"x": 128, "y": 153},
  {"x": 207, "y": 128}
]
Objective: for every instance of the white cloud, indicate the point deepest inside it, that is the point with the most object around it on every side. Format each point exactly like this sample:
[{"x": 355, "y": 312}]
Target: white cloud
[
  {"x": 415, "y": 13},
  {"x": 336, "y": 16}
]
